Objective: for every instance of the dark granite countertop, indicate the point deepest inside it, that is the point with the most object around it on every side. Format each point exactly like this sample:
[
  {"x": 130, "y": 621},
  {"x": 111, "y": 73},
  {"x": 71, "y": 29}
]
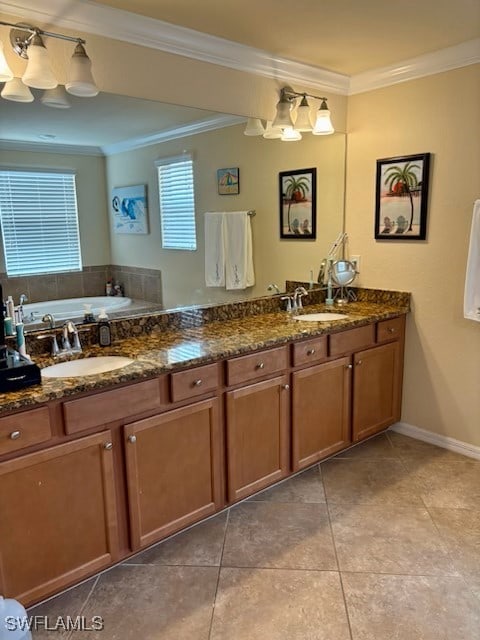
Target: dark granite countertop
[{"x": 168, "y": 349}]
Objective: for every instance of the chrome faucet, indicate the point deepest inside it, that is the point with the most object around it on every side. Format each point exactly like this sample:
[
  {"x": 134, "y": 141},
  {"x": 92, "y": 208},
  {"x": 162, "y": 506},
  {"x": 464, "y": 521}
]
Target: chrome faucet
[
  {"x": 50, "y": 319},
  {"x": 298, "y": 294},
  {"x": 68, "y": 329},
  {"x": 273, "y": 287}
]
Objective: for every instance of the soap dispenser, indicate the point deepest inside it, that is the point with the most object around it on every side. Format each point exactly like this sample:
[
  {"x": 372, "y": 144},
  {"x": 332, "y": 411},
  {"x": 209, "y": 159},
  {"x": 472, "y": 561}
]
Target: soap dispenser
[{"x": 104, "y": 329}]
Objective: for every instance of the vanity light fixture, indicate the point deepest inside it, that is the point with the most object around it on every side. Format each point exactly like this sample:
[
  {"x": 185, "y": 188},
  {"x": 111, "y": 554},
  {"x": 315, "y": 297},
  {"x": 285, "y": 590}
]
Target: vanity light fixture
[
  {"x": 28, "y": 42},
  {"x": 285, "y": 127}
]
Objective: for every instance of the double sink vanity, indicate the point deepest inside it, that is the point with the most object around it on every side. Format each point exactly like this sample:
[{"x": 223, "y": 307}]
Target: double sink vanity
[{"x": 96, "y": 468}]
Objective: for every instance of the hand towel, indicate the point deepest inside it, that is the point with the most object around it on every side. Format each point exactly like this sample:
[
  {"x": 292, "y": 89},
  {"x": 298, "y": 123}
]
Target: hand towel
[
  {"x": 239, "y": 272},
  {"x": 214, "y": 250},
  {"x": 471, "y": 301}
]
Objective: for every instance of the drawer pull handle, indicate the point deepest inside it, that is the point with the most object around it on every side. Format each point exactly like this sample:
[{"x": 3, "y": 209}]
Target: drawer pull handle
[
  {"x": 15, "y": 378},
  {"x": 348, "y": 366},
  {"x": 132, "y": 439},
  {"x": 310, "y": 352},
  {"x": 391, "y": 330},
  {"x": 197, "y": 383},
  {"x": 286, "y": 387},
  {"x": 108, "y": 446},
  {"x": 358, "y": 362},
  {"x": 15, "y": 435},
  {"x": 260, "y": 365}
]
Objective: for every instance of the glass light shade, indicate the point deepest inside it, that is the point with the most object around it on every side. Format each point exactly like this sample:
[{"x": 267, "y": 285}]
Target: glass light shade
[
  {"x": 16, "y": 91},
  {"x": 56, "y": 98},
  {"x": 80, "y": 79},
  {"x": 283, "y": 117},
  {"x": 303, "y": 122},
  {"x": 323, "y": 125},
  {"x": 271, "y": 133},
  {"x": 5, "y": 71},
  {"x": 254, "y": 127},
  {"x": 290, "y": 134},
  {"x": 39, "y": 73}
]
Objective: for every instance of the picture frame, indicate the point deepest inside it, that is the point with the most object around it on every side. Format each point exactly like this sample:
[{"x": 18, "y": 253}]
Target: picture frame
[
  {"x": 298, "y": 204},
  {"x": 401, "y": 197},
  {"x": 129, "y": 209},
  {"x": 228, "y": 181}
]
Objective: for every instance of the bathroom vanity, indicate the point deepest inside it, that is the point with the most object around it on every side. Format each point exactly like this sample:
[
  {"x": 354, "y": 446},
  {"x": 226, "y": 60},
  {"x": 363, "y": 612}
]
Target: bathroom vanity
[{"x": 92, "y": 470}]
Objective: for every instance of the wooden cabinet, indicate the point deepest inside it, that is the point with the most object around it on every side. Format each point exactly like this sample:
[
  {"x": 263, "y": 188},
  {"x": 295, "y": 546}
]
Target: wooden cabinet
[
  {"x": 174, "y": 474},
  {"x": 377, "y": 389},
  {"x": 257, "y": 427},
  {"x": 58, "y": 518},
  {"x": 320, "y": 411}
]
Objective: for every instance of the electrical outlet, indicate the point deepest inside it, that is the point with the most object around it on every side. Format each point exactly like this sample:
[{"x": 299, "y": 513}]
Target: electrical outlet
[{"x": 355, "y": 260}]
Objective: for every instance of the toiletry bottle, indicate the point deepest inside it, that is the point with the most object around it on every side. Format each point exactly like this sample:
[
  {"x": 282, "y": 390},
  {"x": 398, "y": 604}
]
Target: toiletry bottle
[
  {"x": 109, "y": 288},
  {"x": 11, "y": 309},
  {"x": 21, "y": 339},
  {"x": 104, "y": 329}
]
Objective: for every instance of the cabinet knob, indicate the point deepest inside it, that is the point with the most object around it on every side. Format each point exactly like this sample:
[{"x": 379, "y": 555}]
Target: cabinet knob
[
  {"x": 358, "y": 362},
  {"x": 348, "y": 366},
  {"x": 286, "y": 387},
  {"x": 108, "y": 446},
  {"x": 197, "y": 383},
  {"x": 391, "y": 330},
  {"x": 310, "y": 352},
  {"x": 260, "y": 365},
  {"x": 15, "y": 435},
  {"x": 132, "y": 438}
]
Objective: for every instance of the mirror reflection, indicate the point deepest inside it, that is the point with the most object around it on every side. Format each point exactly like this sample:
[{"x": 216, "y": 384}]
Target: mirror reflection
[{"x": 114, "y": 141}]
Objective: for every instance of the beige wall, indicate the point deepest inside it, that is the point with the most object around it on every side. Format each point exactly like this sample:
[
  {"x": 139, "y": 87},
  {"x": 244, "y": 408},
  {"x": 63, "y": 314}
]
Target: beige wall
[
  {"x": 259, "y": 161},
  {"x": 439, "y": 114},
  {"x": 91, "y": 198}
]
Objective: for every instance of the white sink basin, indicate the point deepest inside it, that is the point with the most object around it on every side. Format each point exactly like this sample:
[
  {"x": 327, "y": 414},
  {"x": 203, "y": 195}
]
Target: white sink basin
[
  {"x": 321, "y": 317},
  {"x": 85, "y": 367}
]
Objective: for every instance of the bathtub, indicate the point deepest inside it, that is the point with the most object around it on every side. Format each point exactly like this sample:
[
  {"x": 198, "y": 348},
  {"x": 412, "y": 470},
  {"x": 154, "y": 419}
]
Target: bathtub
[{"x": 73, "y": 307}]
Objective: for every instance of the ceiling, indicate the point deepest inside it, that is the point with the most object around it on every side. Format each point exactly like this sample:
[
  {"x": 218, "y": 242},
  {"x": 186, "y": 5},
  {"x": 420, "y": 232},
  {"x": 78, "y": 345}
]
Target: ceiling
[
  {"x": 105, "y": 120},
  {"x": 344, "y": 36}
]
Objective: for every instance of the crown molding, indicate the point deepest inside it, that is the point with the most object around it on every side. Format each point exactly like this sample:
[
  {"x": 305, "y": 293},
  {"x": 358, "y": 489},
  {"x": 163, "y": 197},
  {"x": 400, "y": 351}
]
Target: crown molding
[
  {"x": 460, "y": 55},
  {"x": 50, "y": 147},
  {"x": 90, "y": 17},
  {"x": 190, "y": 129}
]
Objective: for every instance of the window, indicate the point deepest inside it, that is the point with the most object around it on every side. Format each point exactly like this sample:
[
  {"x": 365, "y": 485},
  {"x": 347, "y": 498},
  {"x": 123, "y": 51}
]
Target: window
[
  {"x": 177, "y": 205},
  {"x": 39, "y": 220}
]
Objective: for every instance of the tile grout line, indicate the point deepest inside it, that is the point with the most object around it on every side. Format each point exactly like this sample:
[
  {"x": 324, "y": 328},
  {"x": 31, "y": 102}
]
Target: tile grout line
[
  {"x": 82, "y": 608},
  {"x": 218, "y": 577},
  {"x": 338, "y": 568}
]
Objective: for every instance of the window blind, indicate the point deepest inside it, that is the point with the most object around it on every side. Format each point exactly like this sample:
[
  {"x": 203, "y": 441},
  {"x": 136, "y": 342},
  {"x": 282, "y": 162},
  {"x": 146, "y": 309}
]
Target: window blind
[
  {"x": 177, "y": 204},
  {"x": 39, "y": 220}
]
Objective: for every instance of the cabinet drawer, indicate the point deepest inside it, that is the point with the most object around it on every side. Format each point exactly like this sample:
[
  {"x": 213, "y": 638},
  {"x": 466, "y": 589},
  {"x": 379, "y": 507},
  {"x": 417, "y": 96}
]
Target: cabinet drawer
[
  {"x": 309, "y": 351},
  {"x": 256, "y": 365},
  {"x": 107, "y": 406},
  {"x": 194, "y": 382},
  {"x": 390, "y": 329},
  {"x": 352, "y": 340},
  {"x": 24, "y": 429}
]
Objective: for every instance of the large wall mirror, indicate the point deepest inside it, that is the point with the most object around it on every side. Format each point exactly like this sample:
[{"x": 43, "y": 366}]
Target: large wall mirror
[{"x": 111, "y": 123}]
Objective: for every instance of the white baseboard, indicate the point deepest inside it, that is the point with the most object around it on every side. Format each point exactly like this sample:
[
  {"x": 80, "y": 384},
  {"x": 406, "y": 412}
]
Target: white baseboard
[{"x": 452, "y": 444}]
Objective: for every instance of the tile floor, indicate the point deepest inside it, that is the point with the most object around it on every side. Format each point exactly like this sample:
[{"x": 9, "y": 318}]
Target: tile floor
[{"x": 381, "y": 542}]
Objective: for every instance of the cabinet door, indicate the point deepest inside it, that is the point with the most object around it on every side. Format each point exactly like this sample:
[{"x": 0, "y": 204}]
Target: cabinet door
[
  {"x": 257, "y": 436},
  {"x": 377, "y": 389},
  {"x": 173, "y": 470},
  {"x": 320, "y": 411},
  {"x": 58, "y": 519}
]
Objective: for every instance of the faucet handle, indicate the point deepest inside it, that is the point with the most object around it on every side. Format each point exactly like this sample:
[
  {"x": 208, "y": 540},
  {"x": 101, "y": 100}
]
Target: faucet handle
[{"x": 289, "y": 302}]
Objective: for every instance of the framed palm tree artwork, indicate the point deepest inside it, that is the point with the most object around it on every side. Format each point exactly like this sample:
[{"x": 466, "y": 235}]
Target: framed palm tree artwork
[
  {"x": 402, "y": 197},
  {"x": 298, "y": 204}
]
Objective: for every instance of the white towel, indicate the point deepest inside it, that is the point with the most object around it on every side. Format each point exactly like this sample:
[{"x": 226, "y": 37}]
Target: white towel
[
  {"x": 471, "y": 301},
  {"x": 239, "y": 273},
  {"x": 214, "y": 250}
]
